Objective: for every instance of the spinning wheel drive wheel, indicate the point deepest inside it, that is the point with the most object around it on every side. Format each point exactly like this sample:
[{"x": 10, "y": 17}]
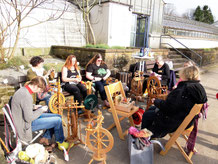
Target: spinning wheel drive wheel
[
  {"x": 100, "y": 140},
  {"x": 153, "y": 86},
  {"x": 55, "y": 101}
]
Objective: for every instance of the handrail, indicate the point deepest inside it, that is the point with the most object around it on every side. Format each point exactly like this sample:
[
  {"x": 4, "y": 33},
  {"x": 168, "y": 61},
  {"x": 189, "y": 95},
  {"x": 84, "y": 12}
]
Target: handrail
[
  {"x": 183, "y": 46},
  {"x": 179, "y": 52}
]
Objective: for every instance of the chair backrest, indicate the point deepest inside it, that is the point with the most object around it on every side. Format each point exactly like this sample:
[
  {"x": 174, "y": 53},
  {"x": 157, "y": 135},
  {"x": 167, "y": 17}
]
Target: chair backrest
[
  {"x": 113, "y": 89},
  {"x": 196, "y": 109},
  {"x": 11, "y": 137}
]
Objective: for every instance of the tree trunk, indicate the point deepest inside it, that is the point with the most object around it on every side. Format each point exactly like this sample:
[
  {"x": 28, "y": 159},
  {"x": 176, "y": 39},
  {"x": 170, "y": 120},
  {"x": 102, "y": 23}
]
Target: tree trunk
[
  {"x": 91, "y": 30},
  {"x": 16, "y": 40}
]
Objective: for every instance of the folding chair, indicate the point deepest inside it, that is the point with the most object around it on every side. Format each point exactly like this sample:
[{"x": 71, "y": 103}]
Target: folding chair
[
  {"x": 117, "y": 88},
  {"x": 184, "y": 132},
  {"x": 12, "y": 143}
]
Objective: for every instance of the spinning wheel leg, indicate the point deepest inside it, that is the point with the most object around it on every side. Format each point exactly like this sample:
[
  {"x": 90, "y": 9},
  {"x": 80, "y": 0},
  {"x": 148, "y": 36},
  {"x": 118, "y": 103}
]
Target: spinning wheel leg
[{"x": 91, "y": 161}]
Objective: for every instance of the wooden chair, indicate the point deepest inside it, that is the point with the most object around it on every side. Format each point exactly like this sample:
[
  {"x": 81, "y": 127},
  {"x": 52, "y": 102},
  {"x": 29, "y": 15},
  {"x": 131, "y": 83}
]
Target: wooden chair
[
  {"x": 184, "y": 132},
  {"x": 110, "y": 91}
]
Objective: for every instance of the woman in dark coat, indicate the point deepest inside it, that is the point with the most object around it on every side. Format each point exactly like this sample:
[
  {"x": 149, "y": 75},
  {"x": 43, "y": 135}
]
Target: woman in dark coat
[
  {"x": 167, "y": 115},
  {"x": 161, "y": 70}
]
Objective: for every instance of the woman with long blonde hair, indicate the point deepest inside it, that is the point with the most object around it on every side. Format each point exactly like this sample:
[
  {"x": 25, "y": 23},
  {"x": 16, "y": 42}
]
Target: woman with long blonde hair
[{"x": 72, "y": 78}]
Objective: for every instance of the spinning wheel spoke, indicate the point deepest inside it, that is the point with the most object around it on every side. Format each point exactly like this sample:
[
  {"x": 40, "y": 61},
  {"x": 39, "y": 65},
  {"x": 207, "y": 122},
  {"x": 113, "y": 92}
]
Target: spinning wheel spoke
[
  {"x": 94, "y": 136},
  {"x": 92, "y": 140},
  {"x": 105, "y": 140},
  {"x": 103, "y": 144},
  {"x": 103, "y": 136}
]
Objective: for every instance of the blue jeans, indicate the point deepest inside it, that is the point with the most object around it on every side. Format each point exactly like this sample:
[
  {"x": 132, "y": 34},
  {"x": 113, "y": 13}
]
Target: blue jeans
[
  {"x": 53, "y": 125},
  {"x": 99, "y": 85}
]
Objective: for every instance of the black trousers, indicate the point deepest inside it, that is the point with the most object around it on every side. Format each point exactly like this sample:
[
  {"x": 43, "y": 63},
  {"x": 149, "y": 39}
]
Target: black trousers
[{"x": 79, "y": 91}]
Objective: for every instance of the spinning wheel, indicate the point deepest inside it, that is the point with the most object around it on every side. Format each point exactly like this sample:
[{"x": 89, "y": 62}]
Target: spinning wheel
[
  {"x": 101, "y": 138},
  {"x": 137, "y": 86},
  {"x": 98, "y": 139},
  {"x": 55, "y": 101},
  {"x": 155, "y": 90},
  {"x": 153, "y": 86}
]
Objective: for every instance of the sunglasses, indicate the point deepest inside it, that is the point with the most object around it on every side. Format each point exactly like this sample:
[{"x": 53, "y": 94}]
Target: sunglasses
[{"x": 99, "y": 60}]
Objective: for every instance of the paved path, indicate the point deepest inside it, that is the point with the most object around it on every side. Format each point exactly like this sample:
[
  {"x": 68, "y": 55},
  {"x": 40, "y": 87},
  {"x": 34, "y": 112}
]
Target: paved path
[{"x": 207, "y": 140}]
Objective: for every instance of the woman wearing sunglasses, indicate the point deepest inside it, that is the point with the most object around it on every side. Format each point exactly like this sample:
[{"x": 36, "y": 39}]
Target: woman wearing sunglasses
[{"x": 97, "y": 71}]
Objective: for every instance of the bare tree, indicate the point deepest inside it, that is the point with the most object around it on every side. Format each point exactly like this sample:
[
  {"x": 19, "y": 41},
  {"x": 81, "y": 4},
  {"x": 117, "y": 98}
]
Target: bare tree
[
  {"x": 12, "y": 15},
  {"x": 170, "y": 9},
  {"x": 188, "y": 14},
  {"x": 86, "y": 6}
]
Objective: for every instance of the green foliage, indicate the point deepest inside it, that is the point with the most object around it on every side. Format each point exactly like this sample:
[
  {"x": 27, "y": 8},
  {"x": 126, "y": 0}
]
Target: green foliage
[
  {"x": 118, "y": 47},
  {"x": 103, "y": 46},
  {"x": 203, "y": 15},
  {"x": 15, "y": 62}
]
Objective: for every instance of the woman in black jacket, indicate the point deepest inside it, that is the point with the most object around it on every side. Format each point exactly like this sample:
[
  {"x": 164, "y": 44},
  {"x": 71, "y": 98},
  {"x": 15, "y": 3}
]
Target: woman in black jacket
[
  {"x": 167, "y": 115},
  {"x": 160, "y": 70}
]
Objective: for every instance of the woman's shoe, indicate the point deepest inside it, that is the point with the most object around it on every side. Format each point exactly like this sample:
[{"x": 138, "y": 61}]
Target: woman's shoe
[{"x": 64, "y": 144}]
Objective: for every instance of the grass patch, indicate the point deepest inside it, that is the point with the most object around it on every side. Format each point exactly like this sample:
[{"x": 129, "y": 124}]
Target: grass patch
[
  {"x": 209, "y": 49},
  {"x": 15, "y": 62},
  {"x": 103, "y": 46}
]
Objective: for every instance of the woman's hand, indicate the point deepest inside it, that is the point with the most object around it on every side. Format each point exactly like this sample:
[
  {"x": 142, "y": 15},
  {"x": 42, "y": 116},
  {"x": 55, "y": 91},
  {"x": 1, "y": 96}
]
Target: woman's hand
[
  {"x": 98, "y": 79},
  {"x": 152, "y": 100},
  {"x": 105, "y": 78},
  {"x": 78, "y": 80}
]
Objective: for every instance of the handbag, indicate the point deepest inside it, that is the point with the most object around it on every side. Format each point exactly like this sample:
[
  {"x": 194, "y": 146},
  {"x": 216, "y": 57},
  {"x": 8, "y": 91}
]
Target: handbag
[{"x": 141, "y": 155}]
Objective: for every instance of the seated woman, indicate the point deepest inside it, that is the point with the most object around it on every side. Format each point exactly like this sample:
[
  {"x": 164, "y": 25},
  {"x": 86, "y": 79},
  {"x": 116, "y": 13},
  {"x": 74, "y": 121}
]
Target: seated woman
[
  {"x": 186, "y": 64},
  {"x": 98, "y": 72},
  {"x": 38, "y": 70},
  {"x": 28, "y": 119},
  {"x": 160, "y": 70},
  {"x": 72, "y": 78},
  {"x": 167, "y": 115}
]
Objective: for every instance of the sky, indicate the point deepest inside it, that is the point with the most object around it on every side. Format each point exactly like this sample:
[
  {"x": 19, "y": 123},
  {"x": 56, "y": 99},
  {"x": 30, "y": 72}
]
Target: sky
[{"x": 182, "y": 6}]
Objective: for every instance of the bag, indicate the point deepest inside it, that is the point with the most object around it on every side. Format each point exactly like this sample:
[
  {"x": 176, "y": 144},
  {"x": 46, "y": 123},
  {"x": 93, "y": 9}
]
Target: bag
[{"x": 144, "y": 156}]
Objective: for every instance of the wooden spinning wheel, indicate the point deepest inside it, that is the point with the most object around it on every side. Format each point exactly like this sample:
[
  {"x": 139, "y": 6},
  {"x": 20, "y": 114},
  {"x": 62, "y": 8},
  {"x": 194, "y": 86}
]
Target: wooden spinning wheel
[
  {"x": 155, "y": 90},
  {"x": 98, "y": 139},
  {"x": 57, "y": 99},
  {"x": 137, "y": 86},
  {"x": 153, "y": 86}
]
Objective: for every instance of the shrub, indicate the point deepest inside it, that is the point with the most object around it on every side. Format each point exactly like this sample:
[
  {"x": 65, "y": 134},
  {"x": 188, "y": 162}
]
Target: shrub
[
  {"x": 15, "y": 62},
  {"x": 103, "y": 46}
]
